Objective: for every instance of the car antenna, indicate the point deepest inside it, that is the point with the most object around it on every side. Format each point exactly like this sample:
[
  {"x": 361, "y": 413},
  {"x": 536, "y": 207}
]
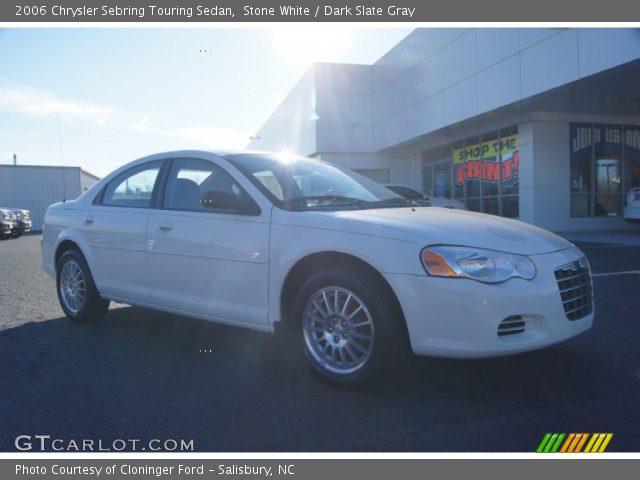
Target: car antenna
[{"x": 64, "y": 186}]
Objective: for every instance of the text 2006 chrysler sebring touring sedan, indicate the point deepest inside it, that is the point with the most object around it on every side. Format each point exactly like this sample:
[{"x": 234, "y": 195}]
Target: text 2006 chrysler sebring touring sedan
[{"x": 354, "y": 273}]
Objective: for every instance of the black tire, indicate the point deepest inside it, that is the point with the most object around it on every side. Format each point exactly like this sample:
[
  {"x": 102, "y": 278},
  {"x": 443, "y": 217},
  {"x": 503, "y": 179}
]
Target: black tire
[
  {"x": 390, "y": 345},
  {"x": 94, "y": 306},
  {"x": 16, "y": 234}
]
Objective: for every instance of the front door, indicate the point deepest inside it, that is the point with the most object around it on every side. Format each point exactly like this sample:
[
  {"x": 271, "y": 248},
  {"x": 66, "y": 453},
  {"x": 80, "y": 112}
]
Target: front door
[{"x": 208, "y": 246}]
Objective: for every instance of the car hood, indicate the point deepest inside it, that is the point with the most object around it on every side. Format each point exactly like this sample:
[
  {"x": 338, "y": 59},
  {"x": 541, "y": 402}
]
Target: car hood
[{"x": 433, "y": 225}]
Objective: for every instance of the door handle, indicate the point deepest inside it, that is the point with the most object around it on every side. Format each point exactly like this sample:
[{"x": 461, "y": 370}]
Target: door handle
[
  {"x": 164, "y": 228},
  {"x": 88, "y": 221}
]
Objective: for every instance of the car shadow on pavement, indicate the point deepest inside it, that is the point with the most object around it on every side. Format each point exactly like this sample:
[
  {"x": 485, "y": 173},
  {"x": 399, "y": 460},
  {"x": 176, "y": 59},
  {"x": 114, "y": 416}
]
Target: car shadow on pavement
[{"x": 142, "y": 374}]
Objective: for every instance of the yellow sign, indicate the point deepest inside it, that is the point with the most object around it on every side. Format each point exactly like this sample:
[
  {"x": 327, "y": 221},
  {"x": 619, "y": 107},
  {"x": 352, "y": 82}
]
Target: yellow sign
[
  {"x": 487, "y": 150},
  {"x": 492, "y": 161}
]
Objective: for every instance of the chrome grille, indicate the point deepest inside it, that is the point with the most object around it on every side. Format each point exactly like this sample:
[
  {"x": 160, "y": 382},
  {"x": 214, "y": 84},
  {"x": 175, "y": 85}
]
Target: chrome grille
[
  {"x": 511, "y": 325},
  {"x": 576, "y": 291}
]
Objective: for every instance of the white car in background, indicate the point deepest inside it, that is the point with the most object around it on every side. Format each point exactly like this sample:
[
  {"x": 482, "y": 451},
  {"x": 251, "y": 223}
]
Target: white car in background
[
  {"x": 632, "y": 210},
  {"x": 354, "y": 273},
  {"x": 423, "y": 199}
]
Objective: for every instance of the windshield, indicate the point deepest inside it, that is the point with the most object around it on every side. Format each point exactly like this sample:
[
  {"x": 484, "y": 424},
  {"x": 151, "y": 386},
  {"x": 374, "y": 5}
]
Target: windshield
[{"x": 297, "y": 183}]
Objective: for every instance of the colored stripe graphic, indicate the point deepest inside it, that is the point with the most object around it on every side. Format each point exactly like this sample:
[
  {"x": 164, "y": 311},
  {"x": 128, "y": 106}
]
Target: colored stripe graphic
[
  {"x": 555, "y": 447},
  {"x": 605, "y": 444},
  {"x": 581, "y": 443},
  {"x": 568, "y": 442},
  {"x": 550, "y": 443},
  {"x": 574, "y": 443},
  {"x": 543, "y": 443},
  {"x": 598, "y": 442}
]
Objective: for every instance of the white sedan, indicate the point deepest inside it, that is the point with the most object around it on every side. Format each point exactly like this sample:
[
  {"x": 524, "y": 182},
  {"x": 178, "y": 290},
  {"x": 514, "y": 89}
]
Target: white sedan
[{"x": 353, "y": 273}]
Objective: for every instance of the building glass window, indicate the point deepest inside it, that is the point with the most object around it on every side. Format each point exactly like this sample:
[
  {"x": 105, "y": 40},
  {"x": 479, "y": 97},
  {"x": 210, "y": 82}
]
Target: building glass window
[
  {"x": 631, "y": 157},
  {"x": 458, "y": 186},
  {"x": 484, "y": 172},
  {"x": 490, "y": 164},
  {"x": 605, "y": 163},
  {"x": 437, "y": 173}
]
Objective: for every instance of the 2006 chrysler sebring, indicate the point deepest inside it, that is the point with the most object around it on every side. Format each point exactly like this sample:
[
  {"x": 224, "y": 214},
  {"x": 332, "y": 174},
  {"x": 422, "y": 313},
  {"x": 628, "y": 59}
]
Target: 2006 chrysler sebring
[{"x": 354, "y": 273}]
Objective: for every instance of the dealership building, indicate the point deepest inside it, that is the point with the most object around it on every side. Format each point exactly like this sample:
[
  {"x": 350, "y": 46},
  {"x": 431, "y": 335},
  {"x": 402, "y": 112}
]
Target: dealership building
[{"x": 539, "y": 124}]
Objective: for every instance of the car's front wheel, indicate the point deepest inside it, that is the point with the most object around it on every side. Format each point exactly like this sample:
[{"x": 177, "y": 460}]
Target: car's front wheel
[
  {"x": 77, "y": 292},
  {"x": 351, "y": 328}
]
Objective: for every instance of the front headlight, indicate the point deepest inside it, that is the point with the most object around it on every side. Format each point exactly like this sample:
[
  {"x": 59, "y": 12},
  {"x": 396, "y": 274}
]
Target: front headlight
[{"x": 486, "y": 266}]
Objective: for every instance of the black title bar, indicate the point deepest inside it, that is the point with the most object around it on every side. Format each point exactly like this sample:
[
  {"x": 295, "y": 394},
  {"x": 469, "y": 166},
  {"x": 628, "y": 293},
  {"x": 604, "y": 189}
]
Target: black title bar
[{"x": 319, "y": 11}]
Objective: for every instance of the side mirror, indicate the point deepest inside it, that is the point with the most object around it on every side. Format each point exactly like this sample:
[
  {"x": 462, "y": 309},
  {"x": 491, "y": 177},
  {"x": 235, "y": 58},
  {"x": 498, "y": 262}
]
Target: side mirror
[{"x": 228, "y": 202}]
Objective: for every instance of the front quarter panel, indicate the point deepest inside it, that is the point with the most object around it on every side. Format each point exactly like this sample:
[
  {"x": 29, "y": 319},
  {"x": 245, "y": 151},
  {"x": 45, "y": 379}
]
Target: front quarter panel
[{"x": 291, "y": 243}]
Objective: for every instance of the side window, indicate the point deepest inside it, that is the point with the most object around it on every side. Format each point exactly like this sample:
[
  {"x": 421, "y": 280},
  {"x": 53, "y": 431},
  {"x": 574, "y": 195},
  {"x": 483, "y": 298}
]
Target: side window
[
  {"x": 201, "y": 186},
  {"x": 132, "y": 188}
]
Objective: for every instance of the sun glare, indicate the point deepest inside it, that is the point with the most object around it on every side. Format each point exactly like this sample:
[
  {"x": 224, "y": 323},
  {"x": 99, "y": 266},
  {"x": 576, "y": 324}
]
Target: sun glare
[{"x": 286, "y": 156}]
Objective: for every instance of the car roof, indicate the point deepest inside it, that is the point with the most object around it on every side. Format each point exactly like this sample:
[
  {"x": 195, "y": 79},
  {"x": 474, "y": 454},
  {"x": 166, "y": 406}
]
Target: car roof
[
  {"x": 197, "y": 153},
  {"x": 220, "y": 152}
]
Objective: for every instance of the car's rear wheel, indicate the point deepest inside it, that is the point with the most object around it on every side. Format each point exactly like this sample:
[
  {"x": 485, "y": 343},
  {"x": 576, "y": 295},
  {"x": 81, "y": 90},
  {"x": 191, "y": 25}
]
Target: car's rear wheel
[
  {"x": 16, "y": 234},
  {"x": 351, "y": 328},
  {"x": 77, "y": 292}
]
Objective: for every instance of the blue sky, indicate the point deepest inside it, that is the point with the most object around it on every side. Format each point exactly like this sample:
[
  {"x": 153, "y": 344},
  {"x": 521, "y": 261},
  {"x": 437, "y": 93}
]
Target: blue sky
[{"x": 124, "y": 93}]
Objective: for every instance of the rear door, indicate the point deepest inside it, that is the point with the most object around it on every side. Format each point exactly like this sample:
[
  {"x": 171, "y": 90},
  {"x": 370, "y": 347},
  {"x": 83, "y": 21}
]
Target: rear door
[{"x": 115, "y": 227}]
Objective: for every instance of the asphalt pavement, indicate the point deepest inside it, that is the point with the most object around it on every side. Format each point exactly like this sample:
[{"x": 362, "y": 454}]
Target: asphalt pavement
[{"x": 140, "y": 374}]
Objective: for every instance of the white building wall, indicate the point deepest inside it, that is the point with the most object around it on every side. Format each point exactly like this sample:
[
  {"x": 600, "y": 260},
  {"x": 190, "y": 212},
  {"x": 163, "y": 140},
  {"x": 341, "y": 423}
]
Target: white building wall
[
  {"x": 438, "y": 77},
  {"x": 432, "y": 79},
  {"x": 344, "y": 108}
]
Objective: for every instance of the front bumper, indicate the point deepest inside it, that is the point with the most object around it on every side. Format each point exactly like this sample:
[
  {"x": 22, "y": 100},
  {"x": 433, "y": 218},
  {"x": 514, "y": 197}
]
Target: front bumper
[
  {"x": 22, "y": 226},
  {"x": 6, "y": 226},
  {"x": 459, "y": 318}
]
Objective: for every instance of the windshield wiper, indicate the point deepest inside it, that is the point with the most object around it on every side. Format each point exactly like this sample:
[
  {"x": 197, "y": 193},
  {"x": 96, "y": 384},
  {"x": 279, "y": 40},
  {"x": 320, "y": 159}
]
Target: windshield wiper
[
  {"x": 394, "y": 202},
  {"x": 319, "y": 201}
]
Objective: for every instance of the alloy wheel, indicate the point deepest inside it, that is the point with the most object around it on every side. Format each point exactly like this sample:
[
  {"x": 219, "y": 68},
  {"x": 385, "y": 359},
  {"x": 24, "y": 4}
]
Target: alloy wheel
[{"x": 338, "y": 330}]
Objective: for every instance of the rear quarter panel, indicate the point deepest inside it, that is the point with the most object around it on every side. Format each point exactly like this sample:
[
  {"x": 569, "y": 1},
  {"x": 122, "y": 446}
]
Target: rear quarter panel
[{"x": 60, "y": 222}]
